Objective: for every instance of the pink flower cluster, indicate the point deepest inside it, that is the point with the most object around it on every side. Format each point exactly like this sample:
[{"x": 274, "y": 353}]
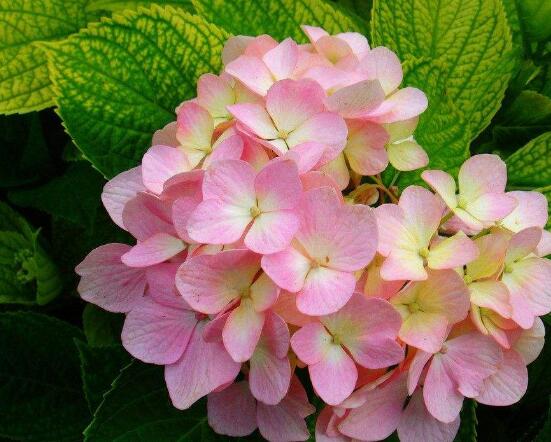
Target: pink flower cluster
[{"x": 254, "y": 259}]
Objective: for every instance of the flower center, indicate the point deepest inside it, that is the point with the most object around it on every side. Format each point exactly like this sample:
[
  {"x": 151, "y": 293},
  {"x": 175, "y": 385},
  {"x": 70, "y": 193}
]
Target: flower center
[
  {"x": 461, "y": 202},
  {"x": 255, "y": 211},
  {"x": 424, "y": 252},
  {"x": 468, "y": 279},
  {"x": 414, "y": 307},
  {"x": 508, "y": 268},
  {"x": 283, "y": 134}
]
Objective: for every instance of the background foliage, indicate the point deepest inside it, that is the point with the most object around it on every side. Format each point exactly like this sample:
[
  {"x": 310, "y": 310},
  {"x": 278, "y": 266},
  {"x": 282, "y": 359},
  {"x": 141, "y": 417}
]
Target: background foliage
[{"x": 85, "y": 83}]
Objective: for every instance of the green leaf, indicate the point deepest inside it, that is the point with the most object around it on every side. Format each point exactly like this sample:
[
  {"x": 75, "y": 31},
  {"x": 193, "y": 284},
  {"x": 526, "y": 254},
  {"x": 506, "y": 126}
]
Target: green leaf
[
  {"x": 534, "y": 15},
  {"x": 25, "y": 156},
  {"x": 27, "y": 274},
  {"x": 278, "y": 18},
  {"x": 512, "y": 14},
  {"x": 442, "y": 130},
  {"x": 120, "y": 80},
  {"x": 118, "y": 5},
  {"x": 471, "y": 38},
  {"x": 467, "y": 430},
  {"x": 99, "y": 368},
  {"x": 74, "y": 196},
  {"x": 138, "y": 408},
  {"x": 41, "y": 396},
  {"x": 530, "y": 166},
  {"x": 526, "y": 118},
  {"x": 545, "y": 433},
  {"x": 101, "y": 328},
  {"x": 24, "y": 82}
]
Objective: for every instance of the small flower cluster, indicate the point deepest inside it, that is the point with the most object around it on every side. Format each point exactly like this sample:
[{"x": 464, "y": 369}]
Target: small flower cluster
[{"x": 258, "y": 254}]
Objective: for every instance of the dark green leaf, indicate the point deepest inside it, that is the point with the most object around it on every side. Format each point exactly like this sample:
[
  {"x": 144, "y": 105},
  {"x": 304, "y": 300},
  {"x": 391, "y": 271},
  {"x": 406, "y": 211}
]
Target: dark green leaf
[
  {"x": 74, "y": 196},
  {"x": 138, "y": 408},
  {"x": 41, "y": 396},
  {"x": 467, "y": 430},
  {"x": 530, "y": 166},
  {"x": 101, "y": 328},
  {"x": 27, "y": 274},
  {"x": 25, "y": 156},
  {"x": 99, "y": 368},
  {"x": 545, "y": 433},
  {"x": 278, "y": 18},
  {"x": 534, "y": 15}
]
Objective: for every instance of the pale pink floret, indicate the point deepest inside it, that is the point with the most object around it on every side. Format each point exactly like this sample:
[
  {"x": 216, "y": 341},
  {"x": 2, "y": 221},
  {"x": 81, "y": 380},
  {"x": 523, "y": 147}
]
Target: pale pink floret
[
  {"x": 404, "y": 153},
  {"x": 239, "y": 201},
  {"x": 119, "y": 190},
  {"x": 430, "y": 307},
  {"x": 406, "y": 233},
  {"x": 458, "y": 370},
  {"x": 365, "y": 147},
  {"x": 333, "y": 241},
  {"x": 531, "y": 211},
  {"x": 214, "y": 283},
  {"x": 235, "y": 412},
  {"x": 363, "y": 331},
  {"x": 481, "y": 199},
  {"x": 107, "y": 282},
  {"x": 529, "y": 343},
  {"x": 259, "y": 73},
  {"x": 527, "y": 277},
  {"x": 341, "y": 49},
  {"x": 294, "y": 114}
]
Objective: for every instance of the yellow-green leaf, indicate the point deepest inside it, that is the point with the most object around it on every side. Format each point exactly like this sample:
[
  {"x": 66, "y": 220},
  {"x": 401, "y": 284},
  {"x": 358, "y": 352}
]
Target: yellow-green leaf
[
  {"x": 24, "y": 82},
  {"x": 120, "y": 80},
  {"x": 470, "y": 37}
]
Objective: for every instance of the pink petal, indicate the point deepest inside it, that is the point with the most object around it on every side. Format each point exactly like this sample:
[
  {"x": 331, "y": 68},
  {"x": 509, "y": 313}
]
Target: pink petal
[
  {"x": 107, "y": 282},
  {"x": 416, "y": 369},
  {"x": 231, "y": 182},
  {"x": 508, "y": 384},
  {"x": 311, "y": 342},
  {"x": 442, "y": 399},
  {"x": 354, "y": 100},
  {"x": 182, "y": 209},
  {"x": 272, "y": 232},
  {"x": 286, "y": 307},
  {"x": 492, "y": 206},
  {"x": 242, "y": 331},
  {"x": 418, "y": 425},
  {"x": 336, "y": 171},
  {"x": 252, "y": 72},
  {"x": 214, "y": 94},
  {"x": 334, "y": 376},
  {"x": 365, "y": 147},
  {"x": 425, "y": 331},
  {"x": 313, "y": 33},
  {"x": 407, "y": 155},
  {"x": 255, "y": 119},
  {"x": 119, "y": 190},
  {"x": 443, "y": 184},
  {"x": 290, "y": 103},
  {"x": 186, "y": 184},
  {"x": 544, "y": 246},
  {"x": 264, "y": 293},
  {"x": 288, "y": 268},
  {"x": 491, "y": 294},
  {"x": 490, "y": 260},
  {"x": 482, "y": 174},
  {"x": 522, "y": 244},
  {"x": 282, "y": 59},
  {"x": 278, "y": 186},
  {"x": 270, "y": 370},
  {"x": 324, "y": 427},
  {"x": 357, "y": 42},
  {"x": 195, "y": 128},
  {"x": 452, "y": 252},
  {"x": 422, "y": 213},
  {"x": 166, "y": 136},
  {"x": 215, "y": 222},
  {"x": 229, "y": 149},
  {"x": 161, "y": 286},
  {"x": 402, "y": 105},
  {"x": 306, "y": 155},
  {"x": 379, "y": 416},
  {"x": 382, "y": 64},
  {"x": 284, "y": 422},
  {"x": 325, "y": 291},
  {"x": 146, "y": 215},
  {"x": 210, "y": 282},
  {"x": 161, "y": 163},
  {"x": 157, "y": 334},
  {"x": 530, "y": 342},
  {"x": 326, "y": 127},
  {"x": 203, "y": 367},
  {"x": 403, "y": 265},
  {"x": 390, "y": 225},
  {"x": 153, "y": 250},
  {"x": 232, "y": 411},
  {"x": 531, "y": 211},
  {"x": 316, "y": 179}
]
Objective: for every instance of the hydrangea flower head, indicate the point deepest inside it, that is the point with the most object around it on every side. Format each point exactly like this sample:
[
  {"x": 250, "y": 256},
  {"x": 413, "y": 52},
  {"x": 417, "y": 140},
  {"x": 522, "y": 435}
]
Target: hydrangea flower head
[{"x": 259, "y": 265}]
